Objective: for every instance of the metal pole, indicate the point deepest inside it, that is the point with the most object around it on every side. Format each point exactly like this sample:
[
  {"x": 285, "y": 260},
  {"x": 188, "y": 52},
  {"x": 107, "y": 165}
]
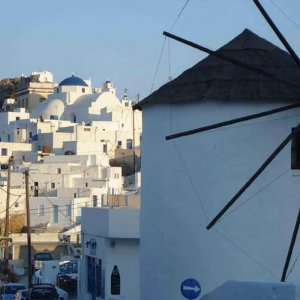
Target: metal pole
[
  {"x": 29, "y": 259},
  {"x": 6, "y": 231},
  {"x": 277, "y": 32},
  {"x": 133, "y": 142},
  {"x": 254, "y": 176},
  {"x": 233, "y": 121},
  {"x": 291, "y": 248}
]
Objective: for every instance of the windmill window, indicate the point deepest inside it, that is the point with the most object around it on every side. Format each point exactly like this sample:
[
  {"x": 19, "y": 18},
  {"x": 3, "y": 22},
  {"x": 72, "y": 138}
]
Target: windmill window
[{"x": 295, "y": 151}]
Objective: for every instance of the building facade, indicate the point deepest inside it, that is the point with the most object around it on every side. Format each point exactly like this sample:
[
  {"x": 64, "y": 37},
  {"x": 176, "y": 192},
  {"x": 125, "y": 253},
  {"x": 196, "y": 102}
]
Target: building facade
[{"x": 187, "y": 181}]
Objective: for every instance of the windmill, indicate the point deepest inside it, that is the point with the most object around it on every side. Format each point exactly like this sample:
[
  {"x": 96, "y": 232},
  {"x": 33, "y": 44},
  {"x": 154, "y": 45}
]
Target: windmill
[{"x": 280, "y": 147}]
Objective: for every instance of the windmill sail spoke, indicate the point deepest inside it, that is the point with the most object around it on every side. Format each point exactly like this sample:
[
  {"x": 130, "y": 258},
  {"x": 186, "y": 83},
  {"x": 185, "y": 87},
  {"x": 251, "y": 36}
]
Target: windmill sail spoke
[
  {"x": 277, "y": 32},
  {"x": 254, "y": 177},
  {"x": 228, "y": 59},
  {"x": 233, "y": 121}
]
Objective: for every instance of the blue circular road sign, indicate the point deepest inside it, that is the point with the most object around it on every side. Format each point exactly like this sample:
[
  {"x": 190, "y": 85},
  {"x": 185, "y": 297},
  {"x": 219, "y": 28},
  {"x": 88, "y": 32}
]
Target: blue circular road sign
[{"x": 190, "y": 288}]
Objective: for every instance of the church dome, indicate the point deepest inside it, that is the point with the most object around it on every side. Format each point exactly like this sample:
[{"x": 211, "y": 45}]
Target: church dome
[
  {"x": 73, "y": 81},
  {"x": 49, "y": 109}
]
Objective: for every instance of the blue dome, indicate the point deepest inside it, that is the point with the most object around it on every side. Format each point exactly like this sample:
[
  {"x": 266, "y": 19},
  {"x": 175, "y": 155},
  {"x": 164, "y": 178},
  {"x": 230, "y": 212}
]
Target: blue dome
[{"x": 73, "y": 80}]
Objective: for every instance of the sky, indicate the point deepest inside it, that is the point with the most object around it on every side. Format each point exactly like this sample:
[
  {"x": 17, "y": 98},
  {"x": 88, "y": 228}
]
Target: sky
[{"x": 121, "y": 40}]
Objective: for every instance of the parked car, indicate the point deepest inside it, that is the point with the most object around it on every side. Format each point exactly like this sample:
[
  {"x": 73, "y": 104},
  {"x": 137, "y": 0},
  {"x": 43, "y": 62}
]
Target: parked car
[
  {"x": 39, "y": 257},
  {"x": 43, "y": 291},
  {"x": 21, "y": 295},
  {"x": 9, "y": 290},
  {"x": 69, "y": 152}
]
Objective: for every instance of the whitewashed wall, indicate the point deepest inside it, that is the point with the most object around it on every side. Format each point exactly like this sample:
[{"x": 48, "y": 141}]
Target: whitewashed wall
[{"x": 187, "y": 181}]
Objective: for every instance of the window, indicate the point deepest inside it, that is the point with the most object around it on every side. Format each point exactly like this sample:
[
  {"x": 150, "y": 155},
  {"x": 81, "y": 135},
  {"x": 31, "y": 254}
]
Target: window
[
  {"x": 129, "y": 144},
  {"x": 87, "y": 129},
  {"x": 117, "y": 176},
  {"x": 52, "y": 185},
  {"x": 41, "y": 210},
  {"x": 17, "y": 118},
  {"x": 68, "y": 210},
  {"x": 295, "y": 151},
  {"x": 120, "y": 143},
  {"x": 42, "y": 99},
  {"x": 30, "y": 134},
  {"x": 95, "y": 201},
  {"x": 86, "y": 184},
  {"x": 54, "y": 214},
  {"x": 83, "y": 90},
  {"x": 105, "y": 148},
  {"x": 36, "y": 189},
  {"x": 75, "y": 195},
  {"x": 57, "y": 90},
  {"x": 4, "y": 152},
  {"x": 58, "y": 170}
]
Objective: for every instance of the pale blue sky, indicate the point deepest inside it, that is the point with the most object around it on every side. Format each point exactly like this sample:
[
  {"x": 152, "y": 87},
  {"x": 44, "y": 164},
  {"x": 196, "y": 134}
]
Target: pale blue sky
[{"x": 121, "y": 40}]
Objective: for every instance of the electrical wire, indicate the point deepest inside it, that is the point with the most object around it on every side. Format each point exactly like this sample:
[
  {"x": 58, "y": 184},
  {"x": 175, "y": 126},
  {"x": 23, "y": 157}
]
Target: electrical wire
[
  {"x": 164, "y": 43},
  {"x": 12, "y": 194},
  {"x": 255, "y": 194},
  {"x": 158, "y": 64},
  {"x": 67, "y": 217},
  {"x": 221, "y": 234},
  {"x": 286, "y": 15},
  {"x": 179, "y": 15},
  {"x": 292, "y": 268},
  {"x": 32, "y": 210}
]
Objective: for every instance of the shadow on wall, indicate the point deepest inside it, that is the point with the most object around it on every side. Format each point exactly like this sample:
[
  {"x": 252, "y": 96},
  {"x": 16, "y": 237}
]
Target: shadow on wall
[{"x": 126, "y": 160}]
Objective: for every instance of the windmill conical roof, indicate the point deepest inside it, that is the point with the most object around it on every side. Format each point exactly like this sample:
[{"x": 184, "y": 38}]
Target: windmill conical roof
[{"x": 215, "y": 79}]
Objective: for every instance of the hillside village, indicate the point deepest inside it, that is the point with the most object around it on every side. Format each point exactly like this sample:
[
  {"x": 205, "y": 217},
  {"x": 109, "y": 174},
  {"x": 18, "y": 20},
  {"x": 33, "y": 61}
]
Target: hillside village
[
  {"x": 191, "y": 192},
  {"x": 81, "y": 147}
]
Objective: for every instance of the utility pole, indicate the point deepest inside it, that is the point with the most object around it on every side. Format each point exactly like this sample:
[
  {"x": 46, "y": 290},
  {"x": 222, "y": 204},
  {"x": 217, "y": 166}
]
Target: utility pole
[
  {"x": 133, "y": 142},
  {"x": 29, "y": 262},
  {"x": 6, "y": 230}
]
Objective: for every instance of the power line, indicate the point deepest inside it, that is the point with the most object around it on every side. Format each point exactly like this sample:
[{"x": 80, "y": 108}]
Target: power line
[
  {"x": 164, "y": 43},
  {"x": 67, "y": 217},
  {"x": 285, "y": 14},
  {"x": 255, "y": 194},
  {"x": 158, "y": 64},
  {"x": 179, "y": 15}
]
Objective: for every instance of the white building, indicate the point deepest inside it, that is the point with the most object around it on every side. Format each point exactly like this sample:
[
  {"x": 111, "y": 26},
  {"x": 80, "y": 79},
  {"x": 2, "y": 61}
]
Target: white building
[
  {"x": 110, "y": 254},
  {"x": 62, "y": 185},
  {"x": 34, "y": 89},
  {"x": 187, "y": 181},
  {"x": 76, "y": 114}
]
